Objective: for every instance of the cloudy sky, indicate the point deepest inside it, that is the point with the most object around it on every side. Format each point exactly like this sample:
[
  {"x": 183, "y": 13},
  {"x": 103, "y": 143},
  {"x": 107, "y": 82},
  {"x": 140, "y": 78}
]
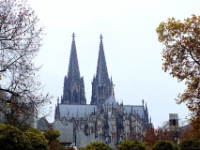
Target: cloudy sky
[{"x": 132, "y": 51}]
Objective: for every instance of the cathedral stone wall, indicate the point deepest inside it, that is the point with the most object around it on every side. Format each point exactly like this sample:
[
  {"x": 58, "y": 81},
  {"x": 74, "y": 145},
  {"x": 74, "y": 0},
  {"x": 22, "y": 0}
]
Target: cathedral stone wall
[
  {"x": 66, "y": 132},
  {"x": 82, "y": 140}
]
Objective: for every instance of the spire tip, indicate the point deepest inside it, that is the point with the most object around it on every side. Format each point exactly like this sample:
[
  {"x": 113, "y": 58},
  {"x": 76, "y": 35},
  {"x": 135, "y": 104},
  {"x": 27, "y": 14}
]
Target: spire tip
[
  {"x": 101, "y": 37},
  {"x": 73, "y": 35}
]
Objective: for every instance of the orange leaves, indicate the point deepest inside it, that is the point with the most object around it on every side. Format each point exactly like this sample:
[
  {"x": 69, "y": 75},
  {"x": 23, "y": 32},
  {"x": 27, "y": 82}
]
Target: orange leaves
[
  {"x": 189, "y": 133},
  {"x": 194, "y": 84},
  {"x": 181, "y": 55},
  {"x": 153, "y": 135}
]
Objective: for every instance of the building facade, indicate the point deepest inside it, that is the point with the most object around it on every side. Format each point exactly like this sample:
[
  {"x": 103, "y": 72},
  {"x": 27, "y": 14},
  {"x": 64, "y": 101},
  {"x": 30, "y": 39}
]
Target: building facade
[{"x": 104, "y": 119}]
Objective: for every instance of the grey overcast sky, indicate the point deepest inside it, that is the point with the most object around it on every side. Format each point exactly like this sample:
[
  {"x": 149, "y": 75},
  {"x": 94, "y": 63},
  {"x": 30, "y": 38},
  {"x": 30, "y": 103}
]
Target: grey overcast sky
[{"x": 133, "y": 53}]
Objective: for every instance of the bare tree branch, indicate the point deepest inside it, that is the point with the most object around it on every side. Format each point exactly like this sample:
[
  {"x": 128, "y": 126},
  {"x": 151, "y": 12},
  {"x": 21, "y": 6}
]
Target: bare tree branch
[{"x": 20, "y": 41}]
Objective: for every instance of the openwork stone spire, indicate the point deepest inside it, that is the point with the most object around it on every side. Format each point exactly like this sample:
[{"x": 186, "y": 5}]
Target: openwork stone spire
[
  {"x": 73, "y": 62},
  {"x": 101, "y": 84},
  {"x": 102, "y": 72},
  {"x": 74, "y": 89}
]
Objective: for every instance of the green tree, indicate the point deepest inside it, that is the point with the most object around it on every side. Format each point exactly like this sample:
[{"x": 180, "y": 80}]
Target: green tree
[
  {"x": 51, "y": 135},
  {"x": 190, "y": 144},
  {"x": 38, "y": 140},
  {"x": 132, "y": 145},
  {"x": 12, "y": 138},
  {"x": 53, "y": 142},
  {"x": 164, "y": 145},
  {"x": 97, "y": 146},
  {"x": 181, "y": 57}
]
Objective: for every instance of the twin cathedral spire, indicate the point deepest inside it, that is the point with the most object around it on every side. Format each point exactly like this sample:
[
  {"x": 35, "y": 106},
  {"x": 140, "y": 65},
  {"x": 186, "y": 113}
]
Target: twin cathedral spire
[
  {"x": 74, "y": 89},
  {"x": 73, "y": 61}
]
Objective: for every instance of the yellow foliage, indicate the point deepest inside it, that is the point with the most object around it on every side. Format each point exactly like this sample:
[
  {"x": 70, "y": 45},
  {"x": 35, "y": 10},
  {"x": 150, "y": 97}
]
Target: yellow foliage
[{"x": 181, "y": 56}]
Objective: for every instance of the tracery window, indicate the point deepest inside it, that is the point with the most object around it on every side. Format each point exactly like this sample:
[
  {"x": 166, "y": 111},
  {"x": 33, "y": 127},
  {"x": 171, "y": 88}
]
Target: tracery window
[{"x": 75, "y": 96}]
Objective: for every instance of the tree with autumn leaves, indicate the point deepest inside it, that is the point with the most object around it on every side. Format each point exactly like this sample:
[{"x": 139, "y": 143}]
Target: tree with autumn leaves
[
  {"x": 189, "y": 133},
  {"x": 153, "y": 135},
  {"x": 181, "y": 58},
  {"x": 190, "y": 138}
]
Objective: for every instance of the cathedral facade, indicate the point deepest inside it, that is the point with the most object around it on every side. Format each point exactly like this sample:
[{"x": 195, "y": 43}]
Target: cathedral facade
[{"x": 104, "y": 118}]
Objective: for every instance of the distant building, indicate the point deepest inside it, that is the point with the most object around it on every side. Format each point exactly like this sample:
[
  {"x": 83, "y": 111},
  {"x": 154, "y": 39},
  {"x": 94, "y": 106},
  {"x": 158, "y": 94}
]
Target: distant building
[
  {"x": 174, "y": 126},
  {"x": 104, "y": 119},
  {"x": 43, "y": 124}
]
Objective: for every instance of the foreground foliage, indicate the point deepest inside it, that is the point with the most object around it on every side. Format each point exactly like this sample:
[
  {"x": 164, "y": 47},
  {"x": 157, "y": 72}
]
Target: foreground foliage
[
  {"x": 97, "y": 146},
  {"x": 51, "y": 135},
  {"x": 191, "y": 132},
  {"x": 32, "y": 139},
  {"x": 132, "y": 145},
  {"x": 12, "y": 138},
  {"x": 38, "y": 140},
  {"x": 154, "y": 135},
  {"x": 53, "y": 142},
  {"x": 190, "y": 144},
  {"x": 164, "y": 145}
]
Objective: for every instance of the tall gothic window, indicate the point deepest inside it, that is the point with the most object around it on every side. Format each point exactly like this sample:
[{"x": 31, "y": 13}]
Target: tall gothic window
[{"x": 75, "y": 96}]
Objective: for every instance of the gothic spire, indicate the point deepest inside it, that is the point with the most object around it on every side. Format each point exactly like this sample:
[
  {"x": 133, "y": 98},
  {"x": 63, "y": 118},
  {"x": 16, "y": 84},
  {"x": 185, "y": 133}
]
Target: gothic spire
[
  {"x": 102, "y": 72},
  {"x": 73, "y": 62},
  {"x": 73, "y": 90}
]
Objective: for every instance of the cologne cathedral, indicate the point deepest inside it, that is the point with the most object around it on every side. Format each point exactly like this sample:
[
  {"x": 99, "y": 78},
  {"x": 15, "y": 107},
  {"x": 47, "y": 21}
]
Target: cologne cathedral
[{"x": 104, "y": 118}]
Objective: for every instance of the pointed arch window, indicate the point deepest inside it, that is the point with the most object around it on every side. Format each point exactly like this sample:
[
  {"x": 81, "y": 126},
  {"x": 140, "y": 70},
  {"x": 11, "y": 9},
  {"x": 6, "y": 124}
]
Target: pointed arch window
[{"x": 75, "y": 96}]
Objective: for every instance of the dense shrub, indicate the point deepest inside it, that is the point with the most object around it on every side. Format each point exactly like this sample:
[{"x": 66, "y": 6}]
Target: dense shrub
[
  {"x": 132, "y": 145},
  {"x": 164, "y": 145},
  {"x": 97, "y": 146},
  {"x": 12, "y": 138},
  {"x": 38, "y": 140},
  {"x": 190, "y": 144}
]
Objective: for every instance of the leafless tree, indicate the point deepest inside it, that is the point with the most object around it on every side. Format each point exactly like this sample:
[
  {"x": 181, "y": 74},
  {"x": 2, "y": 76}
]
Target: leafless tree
[
  {"x": 165, "y": 125},
  {"x": 20, "y": 41}
]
